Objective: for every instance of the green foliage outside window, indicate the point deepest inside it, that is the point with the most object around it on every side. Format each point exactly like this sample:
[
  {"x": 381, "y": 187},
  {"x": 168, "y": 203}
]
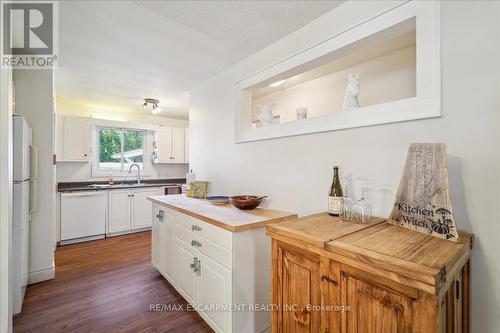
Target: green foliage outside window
[{"x": 110, "y": 147}]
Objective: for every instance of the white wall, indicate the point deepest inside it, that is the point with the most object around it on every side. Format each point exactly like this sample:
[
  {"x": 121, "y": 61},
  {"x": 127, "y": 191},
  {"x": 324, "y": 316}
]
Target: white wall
[
  {"x": 386, "y": 78},
  {"x": 296, "y": 171},
  {"x": 35, "y": 101}
]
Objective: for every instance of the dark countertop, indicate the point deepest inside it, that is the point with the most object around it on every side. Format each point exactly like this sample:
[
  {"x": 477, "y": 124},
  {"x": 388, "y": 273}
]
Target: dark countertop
[{"x": 87, "y": 186}]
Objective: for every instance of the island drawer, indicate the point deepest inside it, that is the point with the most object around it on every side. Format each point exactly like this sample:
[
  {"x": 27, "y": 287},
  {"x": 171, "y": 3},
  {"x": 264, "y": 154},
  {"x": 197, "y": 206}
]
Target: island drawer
[
  {"x": 215, "y": 234},
  {"x": 207, "y": 247}
]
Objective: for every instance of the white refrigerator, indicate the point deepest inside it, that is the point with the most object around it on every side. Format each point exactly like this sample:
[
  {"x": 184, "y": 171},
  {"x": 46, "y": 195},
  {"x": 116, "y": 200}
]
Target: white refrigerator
[{"x": 24, "y": 187}]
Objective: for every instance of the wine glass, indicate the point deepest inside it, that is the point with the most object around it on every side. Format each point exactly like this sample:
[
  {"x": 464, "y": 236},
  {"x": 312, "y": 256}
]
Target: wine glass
[
  {"x": 363, "y": 209},
  {"x": 347, "y": 207}
]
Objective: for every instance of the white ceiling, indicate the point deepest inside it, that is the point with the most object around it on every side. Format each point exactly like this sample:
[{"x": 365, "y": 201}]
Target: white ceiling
[{"x": 117, "y": 52}]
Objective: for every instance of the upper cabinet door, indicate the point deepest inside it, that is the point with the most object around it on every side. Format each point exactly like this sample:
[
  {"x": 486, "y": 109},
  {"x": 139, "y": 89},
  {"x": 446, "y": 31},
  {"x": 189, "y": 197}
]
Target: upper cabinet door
[
  {"x": 178, "y": 145},
  {"x": 186, "y": 145},
  {"x": 76, "y": 139},
  {"x": 164, "y": 144}
]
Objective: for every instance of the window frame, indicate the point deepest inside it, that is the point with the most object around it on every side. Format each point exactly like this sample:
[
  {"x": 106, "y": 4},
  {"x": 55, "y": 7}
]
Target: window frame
[{"x": 97, "y": 172}]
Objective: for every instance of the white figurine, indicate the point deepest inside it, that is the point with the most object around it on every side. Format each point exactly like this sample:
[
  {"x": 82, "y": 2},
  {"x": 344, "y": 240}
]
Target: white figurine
[{"x": 351, "y": 96}]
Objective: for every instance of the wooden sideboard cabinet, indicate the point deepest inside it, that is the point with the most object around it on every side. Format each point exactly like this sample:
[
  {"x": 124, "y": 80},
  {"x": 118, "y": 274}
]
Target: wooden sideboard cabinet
[{"x": 332, "y": 276}]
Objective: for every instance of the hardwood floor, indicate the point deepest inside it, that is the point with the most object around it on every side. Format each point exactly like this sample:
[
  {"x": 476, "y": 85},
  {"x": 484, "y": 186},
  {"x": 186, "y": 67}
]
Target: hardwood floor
[{"x": 105, "y": 286}]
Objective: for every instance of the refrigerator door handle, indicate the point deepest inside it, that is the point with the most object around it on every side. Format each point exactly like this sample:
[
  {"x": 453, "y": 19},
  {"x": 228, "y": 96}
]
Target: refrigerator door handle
[
  {"x": 33, "y": 162},
  {"x": 33, "y": 194}
]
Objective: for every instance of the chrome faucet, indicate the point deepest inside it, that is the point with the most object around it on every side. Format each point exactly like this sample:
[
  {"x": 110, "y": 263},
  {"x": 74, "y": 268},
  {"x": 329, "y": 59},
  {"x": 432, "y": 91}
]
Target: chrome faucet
[{"x": 138, "y": 172}]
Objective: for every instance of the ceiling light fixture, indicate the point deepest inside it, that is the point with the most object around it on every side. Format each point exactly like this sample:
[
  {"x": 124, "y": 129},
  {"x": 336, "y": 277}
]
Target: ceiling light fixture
[
  {"x": 151, "y": 105},
  {"x": 277, "y": 84}
]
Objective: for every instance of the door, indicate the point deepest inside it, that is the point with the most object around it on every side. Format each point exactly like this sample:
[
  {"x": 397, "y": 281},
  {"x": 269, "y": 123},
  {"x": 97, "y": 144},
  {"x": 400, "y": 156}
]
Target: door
[
  {"x": 186, "y": 274},
  {"x": 76, "y": 139},
  {"x": 215, "y": 288},
  {"x": 168, "y": 246},
  {"x": 300, "y": 287},
  {"x": 178, "y": 145},
  {"x": 83, "y": 214},
  {"x": 374, "y": 308},
  {"x": 119, "y": 210},
  {"x": 141, "y": 207},
  {"x": 164, "y": 143}
]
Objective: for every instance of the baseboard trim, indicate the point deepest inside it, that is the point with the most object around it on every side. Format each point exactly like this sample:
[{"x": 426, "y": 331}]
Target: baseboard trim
[
  {"x": 126, "y": 232},
  {"x": 41, "y": 275}
]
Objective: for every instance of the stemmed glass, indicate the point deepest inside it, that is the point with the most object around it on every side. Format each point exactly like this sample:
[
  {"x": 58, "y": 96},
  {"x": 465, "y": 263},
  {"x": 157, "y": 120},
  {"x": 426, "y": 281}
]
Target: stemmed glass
[
  {"x": 347, "y": 206},
  {"x": 363, "y": 209}
]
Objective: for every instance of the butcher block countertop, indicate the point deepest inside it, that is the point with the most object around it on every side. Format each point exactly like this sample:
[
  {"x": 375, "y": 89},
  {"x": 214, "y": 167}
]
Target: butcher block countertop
[
  {"x": 224, "y": 216},
  {"x": 319, "y": 229},
  {"x": 424, "y": 259}
]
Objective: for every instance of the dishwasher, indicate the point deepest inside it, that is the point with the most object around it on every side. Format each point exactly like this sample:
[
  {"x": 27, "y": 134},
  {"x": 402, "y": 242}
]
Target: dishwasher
[{"x": 83, "y": 216}]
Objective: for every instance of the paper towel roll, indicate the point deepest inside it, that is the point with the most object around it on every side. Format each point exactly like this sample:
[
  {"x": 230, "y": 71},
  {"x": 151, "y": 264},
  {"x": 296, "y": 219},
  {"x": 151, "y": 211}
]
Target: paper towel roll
[{"x": 190, "y": 177}]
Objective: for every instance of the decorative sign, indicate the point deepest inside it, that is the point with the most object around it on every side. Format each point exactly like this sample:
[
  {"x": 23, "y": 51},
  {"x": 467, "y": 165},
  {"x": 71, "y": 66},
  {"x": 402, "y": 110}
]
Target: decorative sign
[{"x": 423, "y": 200}]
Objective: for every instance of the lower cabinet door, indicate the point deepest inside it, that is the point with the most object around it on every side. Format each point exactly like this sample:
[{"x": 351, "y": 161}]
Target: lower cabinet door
[
  {"x": 299, "y": 288},
  {"x": 119, "y": 210},
  {"x": 141, "y": 207},
  {"x": 373, "y": 308},
  {"x": 156, "y": 242},
  {"x": 215, "y": 293},
  {"x": 186, "y": 278},
  {"x": 168, "y": 245}
]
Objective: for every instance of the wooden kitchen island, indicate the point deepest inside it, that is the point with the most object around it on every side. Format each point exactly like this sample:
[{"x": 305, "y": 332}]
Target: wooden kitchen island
[
  {"x": 218, "y": 258},
  {"x": 333, "y": 276}
]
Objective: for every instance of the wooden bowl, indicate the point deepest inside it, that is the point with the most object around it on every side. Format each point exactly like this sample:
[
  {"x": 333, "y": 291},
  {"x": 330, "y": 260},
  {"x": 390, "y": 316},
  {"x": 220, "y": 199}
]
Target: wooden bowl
[{"x": 246, "y": 202}]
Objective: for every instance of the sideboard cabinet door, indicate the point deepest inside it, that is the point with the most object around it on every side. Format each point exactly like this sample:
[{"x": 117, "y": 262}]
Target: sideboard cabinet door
[
  {"x": 299, "y": 287},
  {"x": 374, "y": 308}
]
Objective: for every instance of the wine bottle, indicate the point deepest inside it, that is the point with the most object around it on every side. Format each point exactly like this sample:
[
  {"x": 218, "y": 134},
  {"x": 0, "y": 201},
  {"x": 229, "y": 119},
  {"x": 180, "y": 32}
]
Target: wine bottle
[{"x": 336, "y": 195}]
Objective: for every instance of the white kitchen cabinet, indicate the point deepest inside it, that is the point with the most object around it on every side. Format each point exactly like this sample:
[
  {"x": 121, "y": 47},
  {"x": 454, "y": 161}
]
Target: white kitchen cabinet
[
  {"x": 186, "y": 274},
  {"x": 168, "y": 246},
  {"x": 215, "y": 266},
  {"x": 156, "y": 241},
  {"x": 186, "y": 145},
  {"x": 83, "y": 215},
  {"x": 129, "y": 209},
  {"x": 170, "y": 145},
  {"x": 119, "y": 211},
  {"x": 76, "y": 139},
  {"x": 141, "y": 207},
  {"x": 162, "y": 242},
  {"x": 215, "y": 288},
  {"x": 178, "y": 145},
  {"x": 164, "y": 144}
]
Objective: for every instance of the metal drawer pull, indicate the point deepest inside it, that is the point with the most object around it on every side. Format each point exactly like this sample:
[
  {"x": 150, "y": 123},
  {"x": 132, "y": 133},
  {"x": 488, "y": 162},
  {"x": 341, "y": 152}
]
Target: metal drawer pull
[
  {"x": 324, "y": 277},
  {"x": 195, "y": 243},
  {"x": 195, "y": 228},
  {"x": 195, "y": 266},
  {"x": 160, "y": 215}
]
